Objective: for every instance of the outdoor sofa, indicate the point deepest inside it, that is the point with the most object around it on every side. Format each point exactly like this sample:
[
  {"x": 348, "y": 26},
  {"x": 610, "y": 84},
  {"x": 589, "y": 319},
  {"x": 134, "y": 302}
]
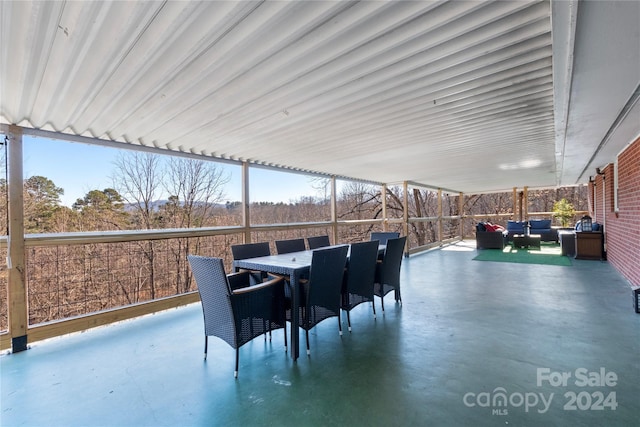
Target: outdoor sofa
[
  {"x": 490, "y": 239},
  {"x": 541, "y": 227}
]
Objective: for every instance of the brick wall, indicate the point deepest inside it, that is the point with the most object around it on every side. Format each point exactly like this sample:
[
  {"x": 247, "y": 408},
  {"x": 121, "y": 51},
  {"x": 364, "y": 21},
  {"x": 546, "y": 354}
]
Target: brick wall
[{"x": 622, "y": 228}]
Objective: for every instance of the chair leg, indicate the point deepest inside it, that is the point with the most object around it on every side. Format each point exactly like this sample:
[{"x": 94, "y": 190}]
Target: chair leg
[
  {"x": 307, "y": 336},
  {"x": 349, "y": 320},
  {"x": 235, "y": 373},
  {"x": 373, "y": 306},
  {"x": 339, "y": 324},
  {"x": 285, "y": 336},
  {"x": 206, "y": 342},
  {"x": 382, "y": 303}
]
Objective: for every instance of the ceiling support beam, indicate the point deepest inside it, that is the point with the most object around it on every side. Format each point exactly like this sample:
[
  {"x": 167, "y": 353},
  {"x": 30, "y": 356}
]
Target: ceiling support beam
[{"x": 563, "y": 30}]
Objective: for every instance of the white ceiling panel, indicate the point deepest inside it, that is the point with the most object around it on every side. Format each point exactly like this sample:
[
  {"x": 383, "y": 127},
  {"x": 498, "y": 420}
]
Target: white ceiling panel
[{"x": 468, "y": 96}]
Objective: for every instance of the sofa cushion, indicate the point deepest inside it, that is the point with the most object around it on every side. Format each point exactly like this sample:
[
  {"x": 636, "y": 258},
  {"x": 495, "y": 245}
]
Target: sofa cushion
[
  {"x": 481, "y": 227},
  {"x": 537, "y": 224},
  {"x": 540, "y": 230},
  {"x": 516, "y": 227}
]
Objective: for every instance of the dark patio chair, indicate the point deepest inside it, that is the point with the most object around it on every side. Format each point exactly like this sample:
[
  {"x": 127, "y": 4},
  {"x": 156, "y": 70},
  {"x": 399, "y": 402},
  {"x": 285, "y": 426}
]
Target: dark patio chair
[
  {"x": 320, "y": 295},
  {"x": 252, "y": 250},
  {"x": 383, "y": 236},
  {"x": 233, "y": 311},
  {"x": 291, "y": 245},
  {"x": 388, "y": 270},
  {"x": 359, "y": 277},
  {"x": 316, "y": 242}
]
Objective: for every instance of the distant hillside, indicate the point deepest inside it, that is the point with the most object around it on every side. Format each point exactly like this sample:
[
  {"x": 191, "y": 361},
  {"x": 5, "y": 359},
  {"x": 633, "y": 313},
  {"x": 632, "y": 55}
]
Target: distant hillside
[{"x": 157, "y": 204}]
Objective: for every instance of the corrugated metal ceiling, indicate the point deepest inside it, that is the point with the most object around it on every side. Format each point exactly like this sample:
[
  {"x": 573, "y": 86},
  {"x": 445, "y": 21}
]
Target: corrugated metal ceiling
[{"x": 451, "y": 94}]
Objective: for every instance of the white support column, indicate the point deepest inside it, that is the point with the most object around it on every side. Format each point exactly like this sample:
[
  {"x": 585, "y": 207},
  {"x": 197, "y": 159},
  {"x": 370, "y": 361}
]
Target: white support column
[{"x": 17, "y": 289}]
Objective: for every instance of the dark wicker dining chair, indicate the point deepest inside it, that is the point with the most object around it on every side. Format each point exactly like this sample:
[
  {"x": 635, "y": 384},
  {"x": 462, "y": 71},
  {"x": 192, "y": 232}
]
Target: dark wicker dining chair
[
  {"x": 252, "y": 250},
  {"x": 290, "y": 245},
  {"x": 321, "y": 293},
  {"x": 234, "y": 311},
  {"x": 383, "y": 236},
  {"x": 388, "y": 270},
  {"x": 359, "y": 277},
  {"x": 316, "y": 242}
]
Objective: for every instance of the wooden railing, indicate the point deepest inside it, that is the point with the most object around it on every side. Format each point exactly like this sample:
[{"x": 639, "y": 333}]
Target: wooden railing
[{"x": 50, "y": 256}]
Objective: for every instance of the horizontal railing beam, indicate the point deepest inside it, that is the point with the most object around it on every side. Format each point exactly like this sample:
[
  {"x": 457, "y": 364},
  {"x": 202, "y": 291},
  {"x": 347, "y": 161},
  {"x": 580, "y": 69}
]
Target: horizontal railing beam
[{"x": 81, "y": 323}]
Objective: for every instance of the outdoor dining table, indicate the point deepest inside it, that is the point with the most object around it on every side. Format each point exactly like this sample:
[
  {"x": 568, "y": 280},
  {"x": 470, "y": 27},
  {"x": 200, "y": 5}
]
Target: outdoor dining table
[{"x": 295, "y": 265}]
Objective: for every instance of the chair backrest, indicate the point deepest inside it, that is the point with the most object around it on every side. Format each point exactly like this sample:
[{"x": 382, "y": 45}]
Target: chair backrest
[
  {"x": 250, "y": 250},
  {"x": 316, "y": 242},
  {"x": 390, "y": 268},
  {"x": 325, "y": 278},
  {"x": 383, "y": 236},
  {"x": 213, "y": 288},
  {"x": 361, "y": 269},
  {"x": 291, "y": 245}
]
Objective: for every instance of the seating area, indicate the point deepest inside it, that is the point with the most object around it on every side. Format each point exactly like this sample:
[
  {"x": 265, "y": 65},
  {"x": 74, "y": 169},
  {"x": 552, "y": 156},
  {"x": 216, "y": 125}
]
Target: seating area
[
  {"x": 491, "y": 236},
  {"x": 265, "y": 291}
]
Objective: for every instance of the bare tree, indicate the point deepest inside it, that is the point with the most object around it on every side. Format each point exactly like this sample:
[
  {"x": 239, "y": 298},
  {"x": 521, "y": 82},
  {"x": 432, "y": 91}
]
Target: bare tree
[
  {"x": 196, "y": 187},
  {"x": 138, "y": 178}
]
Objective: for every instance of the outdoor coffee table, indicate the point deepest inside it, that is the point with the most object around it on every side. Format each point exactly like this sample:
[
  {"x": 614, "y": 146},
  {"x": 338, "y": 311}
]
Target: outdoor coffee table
[{"x": 526, "y": 241}]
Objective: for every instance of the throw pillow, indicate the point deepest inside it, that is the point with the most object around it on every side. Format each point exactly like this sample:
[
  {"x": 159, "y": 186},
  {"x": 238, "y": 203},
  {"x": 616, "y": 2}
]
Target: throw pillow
[{"x": 491, "y": 227}]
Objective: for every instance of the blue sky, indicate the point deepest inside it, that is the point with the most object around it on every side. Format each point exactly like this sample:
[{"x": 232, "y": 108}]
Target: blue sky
[{"x": 79, "y": 168}]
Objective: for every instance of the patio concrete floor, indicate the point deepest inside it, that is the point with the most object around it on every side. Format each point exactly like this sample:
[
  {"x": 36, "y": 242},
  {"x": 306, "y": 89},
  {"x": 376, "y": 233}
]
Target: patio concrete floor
[{"x": 468, "y": 336}]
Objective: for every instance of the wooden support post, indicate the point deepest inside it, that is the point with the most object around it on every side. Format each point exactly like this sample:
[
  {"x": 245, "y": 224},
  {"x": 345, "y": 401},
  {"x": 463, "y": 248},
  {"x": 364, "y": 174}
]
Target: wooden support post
[
  {"x": 17, "y": 287},
  {"x": 461, "y": 213},
  {"x": 405, "y": 214},
  {"x": 385, "y": 220},
  {"x": 515, "y": 203},
  {"x": 246, "y": 212},
  {"x": 520, "y": 208},
  {"x": 334, "y": 209},
  {"x": 525, "y": 202},
  {"x": 440, "y": 225}
]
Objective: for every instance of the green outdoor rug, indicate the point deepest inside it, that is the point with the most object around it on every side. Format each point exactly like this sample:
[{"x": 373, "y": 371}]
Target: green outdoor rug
[{"x": 548, "y": 254}]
